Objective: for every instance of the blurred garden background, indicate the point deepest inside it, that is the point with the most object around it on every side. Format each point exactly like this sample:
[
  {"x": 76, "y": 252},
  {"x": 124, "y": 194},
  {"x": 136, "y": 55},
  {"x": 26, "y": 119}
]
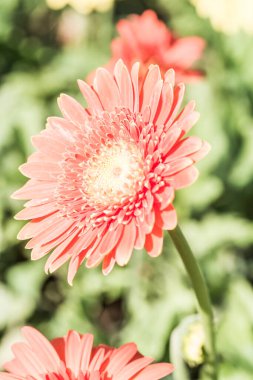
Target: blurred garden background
[{"x": 44, "y": 49}]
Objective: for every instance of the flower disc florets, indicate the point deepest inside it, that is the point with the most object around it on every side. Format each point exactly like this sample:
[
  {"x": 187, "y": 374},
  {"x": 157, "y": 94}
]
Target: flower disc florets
[
  {"x": 107, "y": 171},
  {"x": 103, "y": 179}
]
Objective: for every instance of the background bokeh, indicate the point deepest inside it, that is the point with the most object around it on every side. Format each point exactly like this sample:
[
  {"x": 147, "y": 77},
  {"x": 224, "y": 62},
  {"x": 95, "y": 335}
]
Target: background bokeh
[{"x": 42, "y": 53}]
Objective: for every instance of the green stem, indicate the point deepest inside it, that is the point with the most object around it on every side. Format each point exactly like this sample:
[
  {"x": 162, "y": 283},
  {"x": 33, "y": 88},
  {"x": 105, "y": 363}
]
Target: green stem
[{"x": 203, "y": 298}]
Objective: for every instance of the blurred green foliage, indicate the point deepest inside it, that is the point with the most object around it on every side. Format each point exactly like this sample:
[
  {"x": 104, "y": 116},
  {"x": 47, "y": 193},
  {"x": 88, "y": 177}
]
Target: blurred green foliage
[{"x": 145, "y": 301}]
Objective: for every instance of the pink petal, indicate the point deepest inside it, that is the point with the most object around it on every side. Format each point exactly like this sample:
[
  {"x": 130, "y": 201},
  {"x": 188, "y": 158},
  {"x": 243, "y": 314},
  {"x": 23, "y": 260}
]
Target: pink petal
[
  {"x": 108, "y": 262},
  {"x": 86, "y": 350},
  {"x": 133, "y": 367},
  {"x": 60, "y": 253},
  {"x": 97, "y": 359},
  {"x": 177, "y": 166},
  {"x": 154, "y": 242},
  {"x": 110, "y": 239},
  {"x": 154, "y": 101},
  {"x": 107, "y": 89},
  {"x": 91, "y": 97},
  {"x": 153, "y": 76},
  {"x": 149, "y": 221},
  {"x": 72, "y": 110},
  {"x": 170, "y": 77},
  {"x": 128, "y": 34},
  {"x": 40, "y": 251},
  {"x": 188, "y": 117},
  {"x": 72, "y": 352},
  {"x": 8, "y": 376},
  {"x": 42, "y": 347},
  {"x": 188, "y": 122},
  {"x": 140, "y": 238},
  {"x": 35, "y": 226},
  {"x": 202, "y": 152},
  {"x": 58, "y": 262},
  {"x": 34, "y": 190},
  {"x": 61, "y": 128},
  {"x": 125, "y": 246},
  {"x": 30, "y": 362},
  {"x": 185, "y": 51},
  {"x": 185, "y": 148},
  {"x": 52, "y": 232},
  {"x": 16, "y": 368},
  {"x": 36, "y": 211},
  {"x": 170, "y": 140},
  {"x": 189, "y": 76},
  {"x": 45, "y": 171},
  {"x": 75, "y": 262},
  {"x": 95, "y": 376},
  {"x": 135, "y": 82},
  {"x": 39, "y": 202},
  {"x": 37, "y": 157},
  {"x": 167, "y": 218},
  {"x": 165, "y": 196},
  {"x": 94, "y": 257},
  {"x": 155, "y": 371},
  {"x": 121, "y": 357},
  {"x": 184, "y": 178},
  {"x": 51, "y": 147},
  {"x": 179, "y": 91},
  {"x": 81, "y": 244},
  {"x": 125, "y": 85}
]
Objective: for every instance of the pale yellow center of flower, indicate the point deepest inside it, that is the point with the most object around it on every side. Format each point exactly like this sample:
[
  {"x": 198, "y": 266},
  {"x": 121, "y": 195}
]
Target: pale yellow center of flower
[{"x": 114, "y": 173}]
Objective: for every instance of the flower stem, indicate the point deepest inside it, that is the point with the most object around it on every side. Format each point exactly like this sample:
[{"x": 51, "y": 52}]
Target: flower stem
[{"x": 203, "y": 298}]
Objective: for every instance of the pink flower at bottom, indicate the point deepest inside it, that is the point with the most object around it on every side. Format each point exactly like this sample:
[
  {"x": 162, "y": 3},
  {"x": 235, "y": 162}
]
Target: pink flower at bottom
[
  {"x": 103, "y": 178},
  {"x": 146, "y": 39},
  {"x": 73, "y": 357}
]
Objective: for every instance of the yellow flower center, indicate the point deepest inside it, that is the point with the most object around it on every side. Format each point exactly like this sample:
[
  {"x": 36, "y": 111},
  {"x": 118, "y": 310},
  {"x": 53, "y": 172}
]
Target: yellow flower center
[{"x": 114, "y": 174}]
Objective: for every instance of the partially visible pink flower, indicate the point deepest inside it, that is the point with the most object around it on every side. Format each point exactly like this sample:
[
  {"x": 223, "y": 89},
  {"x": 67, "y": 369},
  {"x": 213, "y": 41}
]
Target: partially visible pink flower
[
  {"x": 103, "y": 179},
  {"x": 148, "y": 40},
  {"x": 73, "y": 357}
]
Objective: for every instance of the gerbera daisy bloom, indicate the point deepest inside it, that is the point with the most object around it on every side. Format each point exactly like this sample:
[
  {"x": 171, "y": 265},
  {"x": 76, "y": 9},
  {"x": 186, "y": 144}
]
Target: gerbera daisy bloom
[
  {"x": 73, "y": 357},
  {"x": 103, "y": 179},
  {"x": 148, "y": 40}
]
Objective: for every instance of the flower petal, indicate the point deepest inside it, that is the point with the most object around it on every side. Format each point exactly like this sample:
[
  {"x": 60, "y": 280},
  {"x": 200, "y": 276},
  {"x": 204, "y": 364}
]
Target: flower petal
[
  {"x": 155, "y": 371},
  {"x": 125, "y": 246},
  {"x": 154, "y": 242},
  {"x": 72, "y": 110}
]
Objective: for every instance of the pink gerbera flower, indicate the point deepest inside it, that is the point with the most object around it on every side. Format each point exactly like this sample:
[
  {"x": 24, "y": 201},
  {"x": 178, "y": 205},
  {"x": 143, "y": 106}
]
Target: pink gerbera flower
[
  {"x": 146, "y": 39},
  {"x": 73, "y": 357},
  {"x": 103, "y": 179}
]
